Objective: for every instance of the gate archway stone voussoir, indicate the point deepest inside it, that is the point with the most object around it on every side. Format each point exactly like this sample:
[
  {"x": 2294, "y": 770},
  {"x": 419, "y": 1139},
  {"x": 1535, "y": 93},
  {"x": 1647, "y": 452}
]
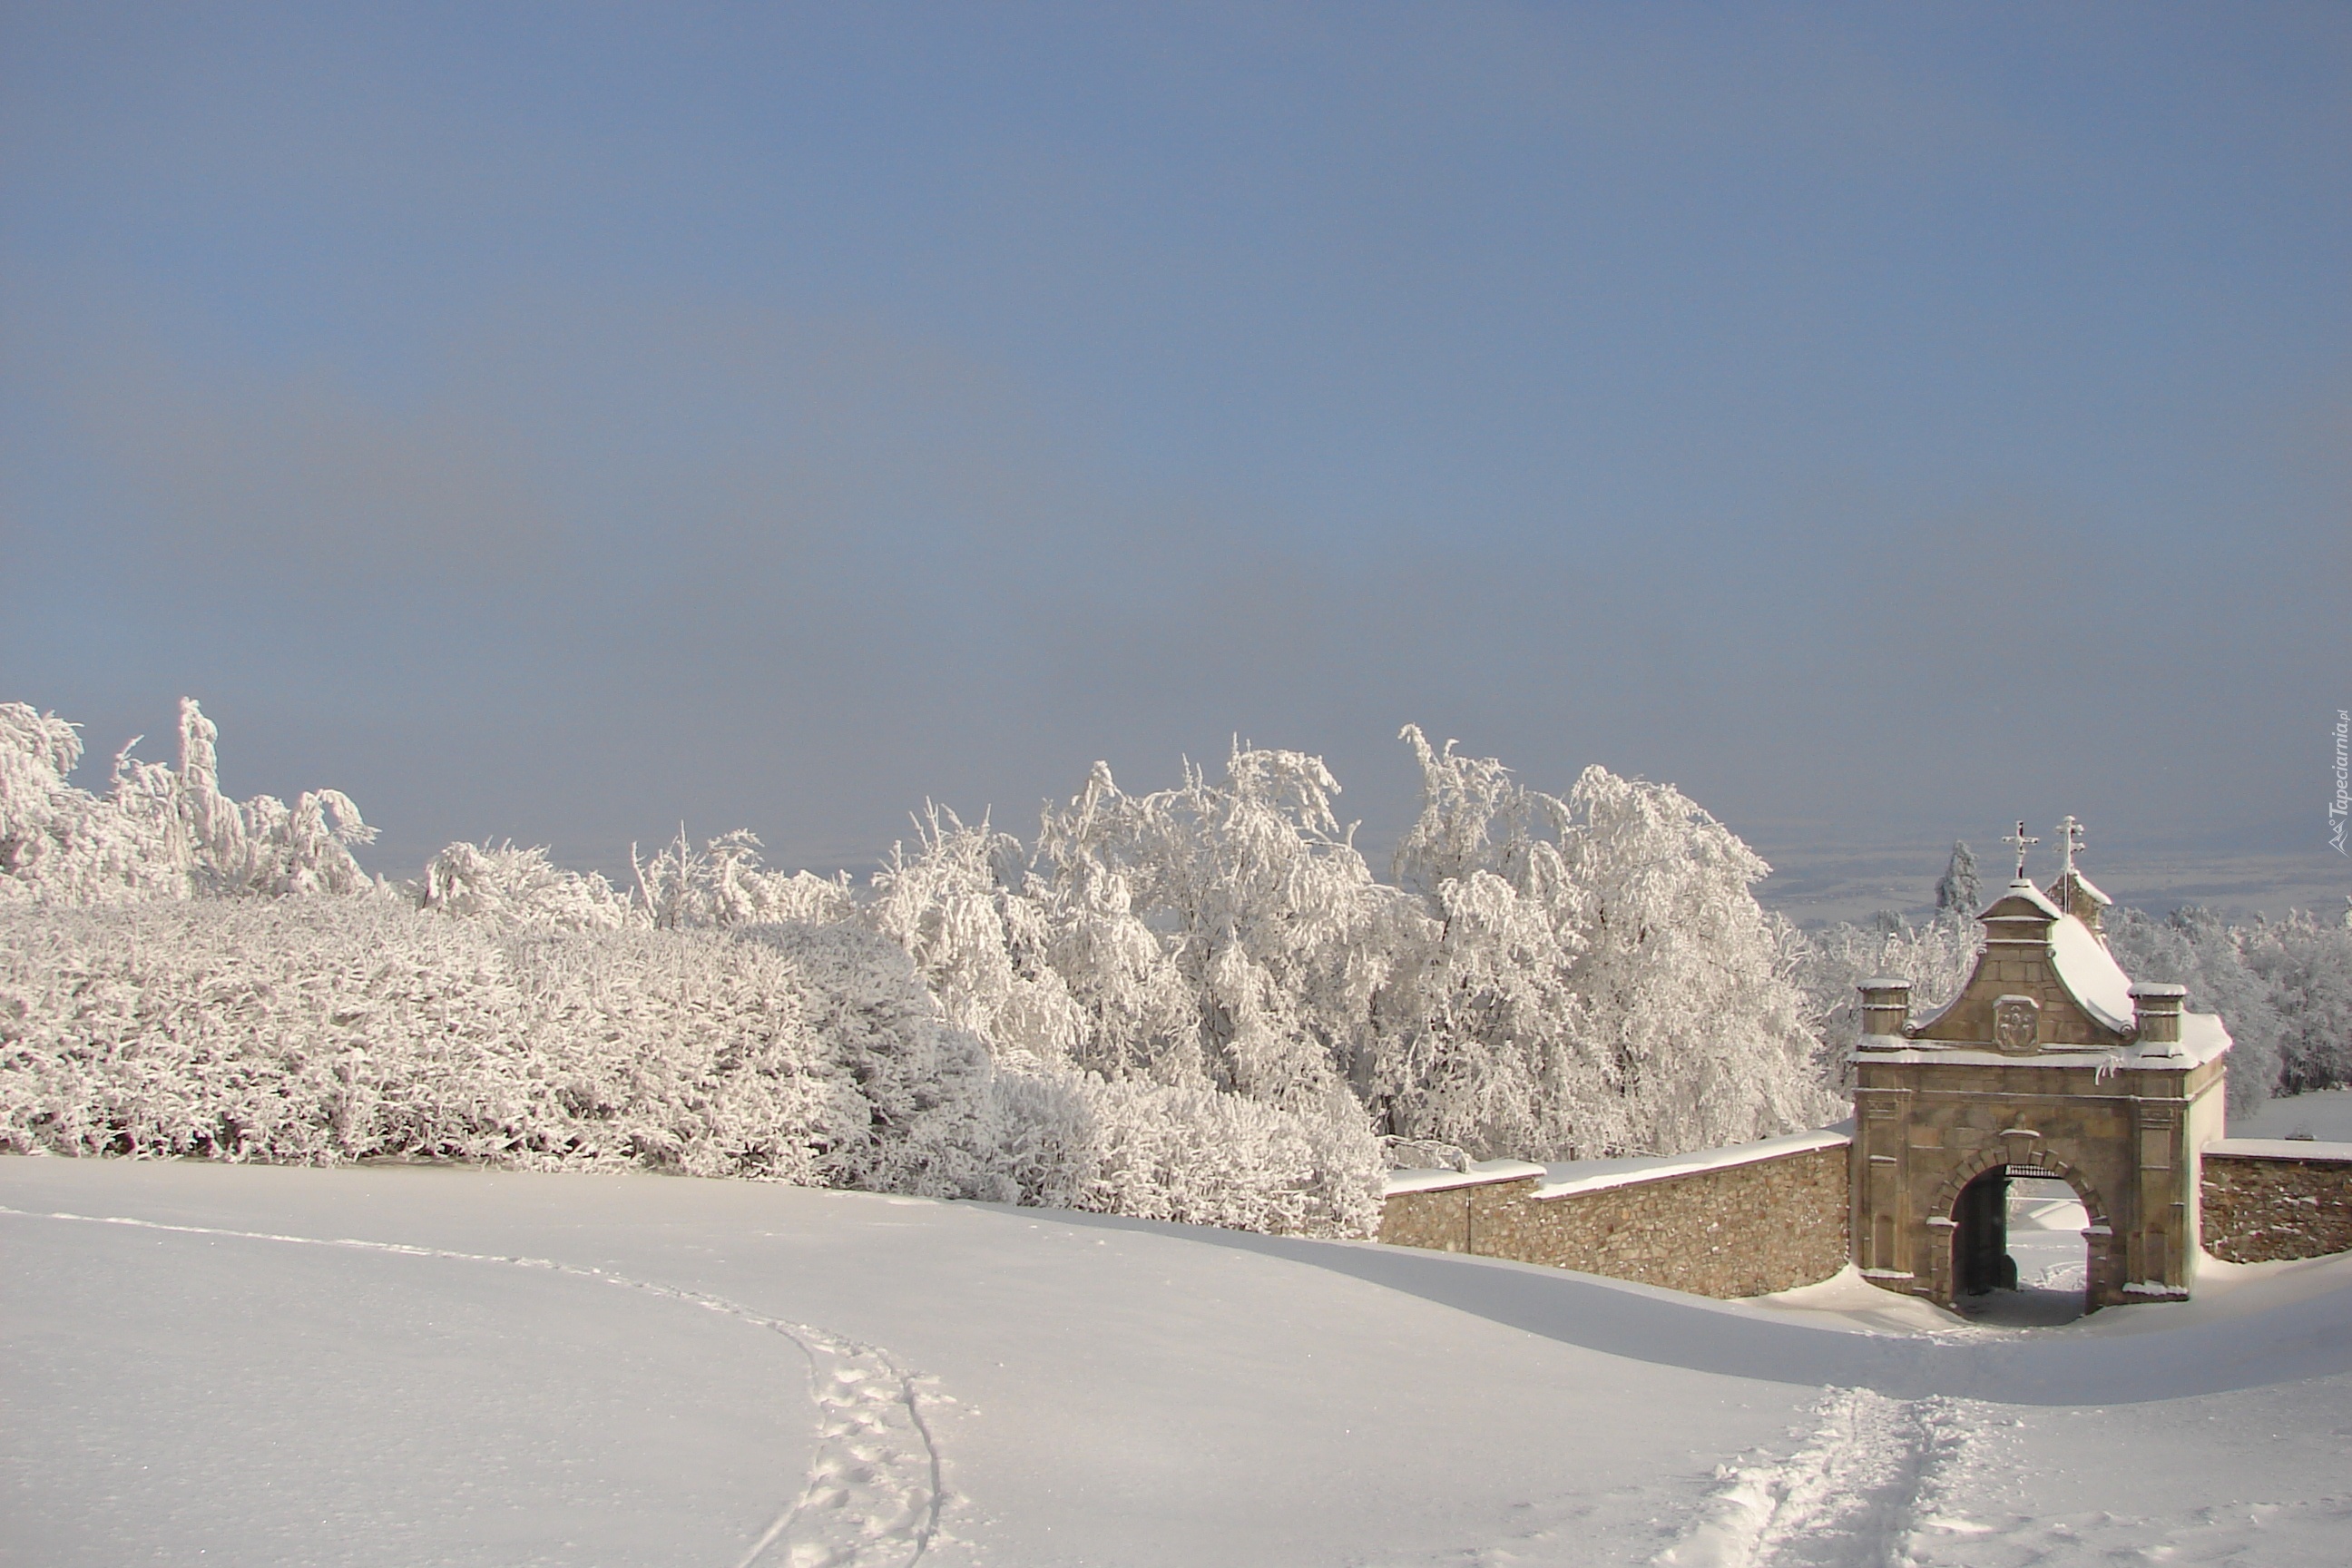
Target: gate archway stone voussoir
[{"x": 2040, "y": 1159}]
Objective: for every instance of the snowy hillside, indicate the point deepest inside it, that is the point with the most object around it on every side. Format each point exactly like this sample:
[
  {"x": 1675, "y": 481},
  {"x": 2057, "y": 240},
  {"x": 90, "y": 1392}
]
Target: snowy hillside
[{"x": 397, "y": 1365}]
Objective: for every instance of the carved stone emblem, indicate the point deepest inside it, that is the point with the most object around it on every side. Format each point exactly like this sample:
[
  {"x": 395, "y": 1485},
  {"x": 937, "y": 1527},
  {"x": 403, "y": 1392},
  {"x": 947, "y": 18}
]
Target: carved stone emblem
[{"x": 2017, "y": 1025}]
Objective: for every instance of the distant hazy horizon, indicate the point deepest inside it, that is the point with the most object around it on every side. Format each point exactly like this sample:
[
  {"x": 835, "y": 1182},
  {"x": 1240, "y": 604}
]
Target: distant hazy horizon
[{"x": 552, "y": 424}]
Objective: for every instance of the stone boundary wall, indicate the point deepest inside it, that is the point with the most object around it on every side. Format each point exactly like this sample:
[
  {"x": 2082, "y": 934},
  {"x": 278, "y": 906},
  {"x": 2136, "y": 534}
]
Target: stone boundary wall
[
  {"x": 2267, "y": 1199},
  {"x": 1726, "y": 1224}
]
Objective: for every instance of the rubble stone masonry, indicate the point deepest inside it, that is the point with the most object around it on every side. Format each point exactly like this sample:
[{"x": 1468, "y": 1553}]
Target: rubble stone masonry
[
  {"x": 2258, "y": 1207},
  {"x": 1735, "y": 1230}
]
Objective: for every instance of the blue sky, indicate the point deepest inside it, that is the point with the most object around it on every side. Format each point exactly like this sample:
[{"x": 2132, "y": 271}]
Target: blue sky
[{"x": 554, "y": 422}]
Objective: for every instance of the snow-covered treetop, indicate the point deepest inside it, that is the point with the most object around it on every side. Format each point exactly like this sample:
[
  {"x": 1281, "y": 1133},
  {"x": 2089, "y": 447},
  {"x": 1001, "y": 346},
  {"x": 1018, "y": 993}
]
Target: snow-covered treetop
[{"x": 159, "y": 830}]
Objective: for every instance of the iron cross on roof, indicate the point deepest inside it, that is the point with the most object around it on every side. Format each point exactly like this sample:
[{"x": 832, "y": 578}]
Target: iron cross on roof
[
  {"x": 2023, "y": 843},
  {"x": 2070, "y": 841}
]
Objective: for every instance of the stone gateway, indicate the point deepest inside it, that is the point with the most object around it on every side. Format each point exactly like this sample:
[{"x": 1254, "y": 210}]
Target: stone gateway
[{"x": 2049, "y": 1063}]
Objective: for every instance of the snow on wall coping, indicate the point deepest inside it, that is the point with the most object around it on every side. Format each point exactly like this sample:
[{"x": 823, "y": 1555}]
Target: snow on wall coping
[
  {"x": 2023, "y": 889},
  {"x": 2282, "y": 1149},
  {"x": 1597, "y": 1176},
  {"x": 1479, "y": 1173},
  {"x": 1896, "y": 1049},
  {"x": 2089, "y": 970},
  {"x": 2203, "y": 1036},
  {"x": 2202, "y": 1039},
  {"x": 2091, "y": 888}
]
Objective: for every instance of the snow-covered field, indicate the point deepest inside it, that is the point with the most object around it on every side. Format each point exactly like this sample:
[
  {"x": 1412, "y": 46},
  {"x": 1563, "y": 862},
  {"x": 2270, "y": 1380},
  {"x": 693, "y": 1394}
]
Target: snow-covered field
[
  {"x": 2325, "y": 1114},
  {"x": 408, "y": 1365}
]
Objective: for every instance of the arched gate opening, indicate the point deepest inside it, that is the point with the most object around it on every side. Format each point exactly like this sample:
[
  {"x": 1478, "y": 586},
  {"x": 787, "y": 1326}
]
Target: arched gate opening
[
  {"x": 2021, "y": 1246},
  {"x": 1981, "y": 1260}
]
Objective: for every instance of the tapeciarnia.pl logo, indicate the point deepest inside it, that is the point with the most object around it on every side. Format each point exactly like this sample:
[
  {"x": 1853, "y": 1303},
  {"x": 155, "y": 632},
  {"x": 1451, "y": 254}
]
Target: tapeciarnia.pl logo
[{"x": 2342, "y": 804}]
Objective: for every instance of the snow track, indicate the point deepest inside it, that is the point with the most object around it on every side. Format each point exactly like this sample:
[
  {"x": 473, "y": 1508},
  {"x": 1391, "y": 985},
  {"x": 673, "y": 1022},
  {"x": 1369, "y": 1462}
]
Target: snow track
[
  {"x": 1850, "y": 1498},
  {"x": 872, "y": 1497}
]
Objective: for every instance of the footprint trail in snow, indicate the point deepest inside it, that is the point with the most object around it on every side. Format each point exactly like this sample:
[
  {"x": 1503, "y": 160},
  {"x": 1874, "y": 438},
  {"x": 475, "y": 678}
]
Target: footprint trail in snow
[
  {"x": 1852, "y": 1497},
  {"x": 872, "y": 1496}
]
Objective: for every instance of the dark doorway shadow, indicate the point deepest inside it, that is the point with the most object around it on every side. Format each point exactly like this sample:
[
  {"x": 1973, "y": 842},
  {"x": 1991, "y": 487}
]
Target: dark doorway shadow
[
  {"x": 2040, "y": 1278},
  {"x": 1981, "y": 1260}
]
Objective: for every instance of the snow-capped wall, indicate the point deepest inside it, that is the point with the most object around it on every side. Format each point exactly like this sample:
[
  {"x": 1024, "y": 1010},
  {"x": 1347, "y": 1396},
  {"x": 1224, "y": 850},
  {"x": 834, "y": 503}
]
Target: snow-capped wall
[{"x": 1727, "y": 1223}]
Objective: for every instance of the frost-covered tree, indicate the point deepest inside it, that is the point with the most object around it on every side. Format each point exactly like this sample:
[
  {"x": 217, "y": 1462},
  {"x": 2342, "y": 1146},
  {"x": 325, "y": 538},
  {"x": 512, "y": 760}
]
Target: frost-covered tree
[
  {"x": 1196, "y": 1004},
  {"x": 1192, "y": 1155},
  {"x": 1602, "y": 980},
  {"x": 1684, "y": 984},
  {"x": 1482, "y": 1048},
  {"x": 1155, "y": 950},
  {"x": 43, "y": 828},
  {"x": 1132, "y": 1010},
  {"x": 318, "y": 1030},
  {"x": 514, "y": 887},
  {"x": 1957, "y": 895},
  {"x": 723, "y": 884},
  {"x": 158, "y": 831},
  {"x": 1269, "y": 922},
  {"x": 1936, "y": 956},
  {"x": 962, "y": 906},
  {"x": 2197, "y": 948},
  {"x": 2305, "y": 966}
]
